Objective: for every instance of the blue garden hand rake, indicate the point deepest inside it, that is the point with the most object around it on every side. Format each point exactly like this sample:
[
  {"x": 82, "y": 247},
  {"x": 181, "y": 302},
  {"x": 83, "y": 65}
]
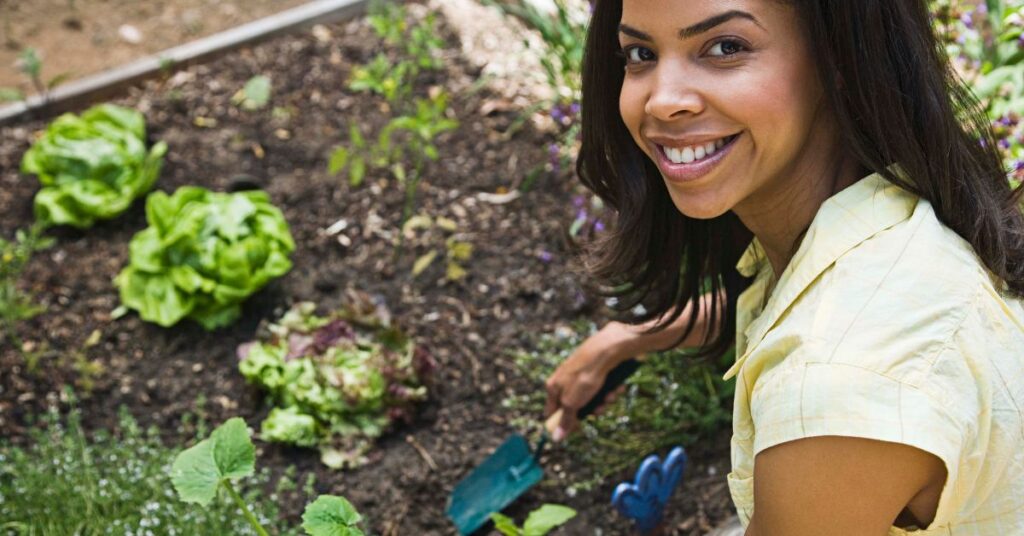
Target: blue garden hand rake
[{"x": 644, "y": 499}]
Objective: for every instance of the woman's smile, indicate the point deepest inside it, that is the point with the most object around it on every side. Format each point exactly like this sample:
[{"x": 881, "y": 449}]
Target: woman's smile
[{"x": 684, "y": 160}]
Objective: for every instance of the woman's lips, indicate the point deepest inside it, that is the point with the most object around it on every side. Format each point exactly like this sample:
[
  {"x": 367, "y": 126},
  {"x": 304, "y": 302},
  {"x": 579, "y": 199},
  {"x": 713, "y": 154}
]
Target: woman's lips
[{"x": 695, "y": 168}]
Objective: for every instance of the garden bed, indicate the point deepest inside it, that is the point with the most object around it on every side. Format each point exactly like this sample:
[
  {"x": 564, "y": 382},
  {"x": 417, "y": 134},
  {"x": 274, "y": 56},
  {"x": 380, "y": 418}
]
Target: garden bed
[{"x": 519, "y": 286}]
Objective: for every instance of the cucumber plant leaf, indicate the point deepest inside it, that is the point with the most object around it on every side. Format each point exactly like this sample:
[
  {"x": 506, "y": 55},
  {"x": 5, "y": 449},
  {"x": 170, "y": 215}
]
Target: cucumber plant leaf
[
  {"x": 228, "y": 453},
  {"x": 330, "y": 515}
]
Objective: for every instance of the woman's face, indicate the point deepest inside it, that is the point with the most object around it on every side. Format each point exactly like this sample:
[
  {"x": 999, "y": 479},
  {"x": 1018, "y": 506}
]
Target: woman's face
[{"x": 724, "y": 97}]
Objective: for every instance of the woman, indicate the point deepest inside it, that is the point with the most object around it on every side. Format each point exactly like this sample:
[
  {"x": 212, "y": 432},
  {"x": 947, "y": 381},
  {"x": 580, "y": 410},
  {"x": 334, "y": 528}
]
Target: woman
[{"x": 818, "y": 163}]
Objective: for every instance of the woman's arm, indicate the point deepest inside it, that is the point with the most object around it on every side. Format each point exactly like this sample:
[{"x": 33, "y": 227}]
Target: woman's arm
[
  {"x": 842, "y": 486},
  {"x": 580, "y": 376}
]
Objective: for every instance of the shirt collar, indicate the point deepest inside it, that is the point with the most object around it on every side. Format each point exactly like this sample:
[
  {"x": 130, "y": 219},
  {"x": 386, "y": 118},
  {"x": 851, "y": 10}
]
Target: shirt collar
[{"x": 843, "y": 221}]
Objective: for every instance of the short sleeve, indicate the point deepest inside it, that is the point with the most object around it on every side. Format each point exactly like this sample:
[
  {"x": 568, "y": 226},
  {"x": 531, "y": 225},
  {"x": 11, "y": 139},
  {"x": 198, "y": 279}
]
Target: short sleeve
[{"x": 818, "y": 399}]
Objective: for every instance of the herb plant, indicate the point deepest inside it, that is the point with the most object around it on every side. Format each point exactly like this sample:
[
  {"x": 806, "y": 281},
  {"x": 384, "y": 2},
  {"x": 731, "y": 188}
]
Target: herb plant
[
  {"x": 540, "y": 521},
  {"x": 16, "y": 306},
  {"x": 203, "y": 254},
  {"x": 332, "y": 386},
  {"x": 92, "y": 166},
  {"x": 211, "y": 465}
]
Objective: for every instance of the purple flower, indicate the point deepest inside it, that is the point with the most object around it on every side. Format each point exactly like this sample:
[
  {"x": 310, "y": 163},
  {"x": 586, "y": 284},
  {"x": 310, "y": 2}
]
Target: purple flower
[
  {"x": 582, "y": 214},
  {"x": 1019, "y": 166},
  {"x": 967, "y": 19},
  {"x": 553, "y": 149},
  {"x": 598, "y": 226},
  {"x": 557, "y": 114},
  {"x": 544, "y": 255},
  {"x": 574, "y": 108},
  {"x": 577, "y": 201},
  {"x": 1005, "y": 144},
  {"x": 982, "y": 143}
]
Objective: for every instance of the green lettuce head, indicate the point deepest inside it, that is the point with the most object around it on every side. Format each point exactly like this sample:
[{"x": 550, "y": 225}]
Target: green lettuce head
[
  {"x": 203, "y": 254},
  {"x": 92, "y": 167}
]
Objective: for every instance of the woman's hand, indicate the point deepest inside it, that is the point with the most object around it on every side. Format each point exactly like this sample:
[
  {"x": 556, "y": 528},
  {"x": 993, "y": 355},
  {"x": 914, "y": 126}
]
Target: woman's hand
[{"x": 579, "y": 378}]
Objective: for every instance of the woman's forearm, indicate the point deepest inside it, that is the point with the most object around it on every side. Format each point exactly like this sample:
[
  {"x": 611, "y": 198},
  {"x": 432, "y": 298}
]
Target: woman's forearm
[{"x": 625, "y": 341}]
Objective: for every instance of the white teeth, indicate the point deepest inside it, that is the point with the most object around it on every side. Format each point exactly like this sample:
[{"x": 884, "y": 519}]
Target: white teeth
[{"x": 686, "y": 155}]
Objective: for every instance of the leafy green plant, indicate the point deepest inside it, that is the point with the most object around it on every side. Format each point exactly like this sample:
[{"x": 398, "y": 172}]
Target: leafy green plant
[
  {"x": 92, "y": 166},
  {"x": 332, "y": 386},
  {"x": 540, "y": 521},
  {"x": 381, "y": 76},
  {"x": 201, "y": 471},
  {"x": 203, "y": 254},
  {"x": 669, "y": 401},
  {"x": 254, "y": 95},
  {"x": 114, "y": 481},
  {"x": 16, "y": 306}
]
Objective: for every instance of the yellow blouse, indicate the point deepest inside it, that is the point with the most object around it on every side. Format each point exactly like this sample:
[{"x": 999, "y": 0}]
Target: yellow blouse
[{"x": 886, "y": 325}]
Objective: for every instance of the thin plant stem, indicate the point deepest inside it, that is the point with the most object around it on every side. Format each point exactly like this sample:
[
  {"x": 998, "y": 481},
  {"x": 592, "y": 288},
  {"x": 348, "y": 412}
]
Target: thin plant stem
[{"x": 245, "y": 509}]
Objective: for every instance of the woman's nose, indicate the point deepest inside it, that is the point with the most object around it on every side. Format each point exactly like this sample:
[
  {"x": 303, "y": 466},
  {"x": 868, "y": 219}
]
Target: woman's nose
[{"x": 673, "y": 94}]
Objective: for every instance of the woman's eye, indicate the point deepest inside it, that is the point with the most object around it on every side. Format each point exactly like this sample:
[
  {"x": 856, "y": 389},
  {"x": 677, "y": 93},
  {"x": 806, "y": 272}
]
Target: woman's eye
[
  {"x": 635, "y": 54},
  {"x": 726, "y": 48}
]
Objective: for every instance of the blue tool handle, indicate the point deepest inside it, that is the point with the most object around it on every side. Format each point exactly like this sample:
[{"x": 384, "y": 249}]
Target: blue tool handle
[{"x": 612, "y": 381}]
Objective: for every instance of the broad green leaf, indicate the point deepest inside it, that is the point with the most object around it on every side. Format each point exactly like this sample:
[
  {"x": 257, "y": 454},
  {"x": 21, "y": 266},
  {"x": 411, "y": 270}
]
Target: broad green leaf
[
  {"x": 542, "y": 520},
  {"x": 330, "y": 515},
  {"x": 423, "y": 262},
  {"x": 194, "y": 474},
  {"x": 505, "y": 525},
  {"x": 255, "y": 94},
  {"x": 357, "y": 171},
  {"x": 233, "y": 449}
]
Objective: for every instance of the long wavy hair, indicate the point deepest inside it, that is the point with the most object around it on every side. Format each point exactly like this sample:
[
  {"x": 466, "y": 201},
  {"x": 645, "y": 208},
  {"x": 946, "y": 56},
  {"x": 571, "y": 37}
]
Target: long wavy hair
[{"x": 896, "y": 98}]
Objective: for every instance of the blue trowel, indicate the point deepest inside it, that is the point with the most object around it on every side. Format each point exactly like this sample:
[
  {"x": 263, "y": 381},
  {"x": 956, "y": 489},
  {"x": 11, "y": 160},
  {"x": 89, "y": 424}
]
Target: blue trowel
[{"x": 514, "y": 467}]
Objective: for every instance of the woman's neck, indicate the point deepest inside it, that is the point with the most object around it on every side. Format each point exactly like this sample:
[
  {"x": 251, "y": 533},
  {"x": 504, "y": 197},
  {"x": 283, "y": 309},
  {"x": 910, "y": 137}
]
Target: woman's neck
[{"x": 780, "y": 217}]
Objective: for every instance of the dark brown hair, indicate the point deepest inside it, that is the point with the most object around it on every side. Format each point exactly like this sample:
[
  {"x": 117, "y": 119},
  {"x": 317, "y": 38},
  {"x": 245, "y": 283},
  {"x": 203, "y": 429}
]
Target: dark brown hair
[{"x": 896, "y": 99}]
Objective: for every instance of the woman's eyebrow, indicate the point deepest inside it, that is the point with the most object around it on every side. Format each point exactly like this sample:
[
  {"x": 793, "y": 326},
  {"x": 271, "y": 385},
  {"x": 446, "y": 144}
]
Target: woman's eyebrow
[{"x": 695, "y": 29}]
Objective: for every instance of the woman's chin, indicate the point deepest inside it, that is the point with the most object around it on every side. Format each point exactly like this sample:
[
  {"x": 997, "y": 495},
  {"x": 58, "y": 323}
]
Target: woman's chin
[{"x": 698, "y": 207}]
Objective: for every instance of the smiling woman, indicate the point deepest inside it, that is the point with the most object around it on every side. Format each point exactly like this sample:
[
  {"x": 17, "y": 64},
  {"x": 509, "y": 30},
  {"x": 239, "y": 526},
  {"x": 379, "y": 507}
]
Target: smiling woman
[{"x": 819, "y": 167}]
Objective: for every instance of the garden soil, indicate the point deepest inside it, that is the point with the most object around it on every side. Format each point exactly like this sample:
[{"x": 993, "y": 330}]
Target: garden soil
[{"x": 521, "y": 282}]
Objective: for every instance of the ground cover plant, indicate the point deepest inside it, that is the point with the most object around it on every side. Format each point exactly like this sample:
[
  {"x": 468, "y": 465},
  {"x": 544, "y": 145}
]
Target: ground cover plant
[
  {"x": 336, "y": 382},
  {"x": 92, "y": 167},
  {"x": 540, "y": 521},
  {"x": 671, "y": 400},
  {"x": 203, "y": 254},
  {"x": 114, "y": 481}
]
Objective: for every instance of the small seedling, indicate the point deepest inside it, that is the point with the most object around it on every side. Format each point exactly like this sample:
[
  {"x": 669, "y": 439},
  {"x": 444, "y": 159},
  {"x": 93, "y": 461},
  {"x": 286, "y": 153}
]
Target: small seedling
[
  {"x": 201, "y": 471},
  {"x": 540, "y": 521},
  {"x": 255, "y": 94}
]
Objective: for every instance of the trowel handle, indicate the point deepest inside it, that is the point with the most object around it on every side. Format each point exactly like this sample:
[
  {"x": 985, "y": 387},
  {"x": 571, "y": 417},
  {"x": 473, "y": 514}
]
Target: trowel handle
[{"x": 612, "y": 381}]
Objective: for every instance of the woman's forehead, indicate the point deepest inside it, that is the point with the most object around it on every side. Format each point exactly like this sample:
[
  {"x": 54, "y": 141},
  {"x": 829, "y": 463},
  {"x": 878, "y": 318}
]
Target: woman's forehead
[{"x": 688, "y": 14}]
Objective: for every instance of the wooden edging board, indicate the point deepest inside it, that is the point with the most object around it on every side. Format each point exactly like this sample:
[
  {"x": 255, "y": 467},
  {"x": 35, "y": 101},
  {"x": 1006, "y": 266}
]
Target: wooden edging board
[{"x": 108, "y": 83}]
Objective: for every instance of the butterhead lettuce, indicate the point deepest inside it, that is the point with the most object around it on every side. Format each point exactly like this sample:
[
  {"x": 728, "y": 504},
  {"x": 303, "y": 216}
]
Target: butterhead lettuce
[
  {"x": 92, "y": 166},
  {"x": 203, "y": 254}
]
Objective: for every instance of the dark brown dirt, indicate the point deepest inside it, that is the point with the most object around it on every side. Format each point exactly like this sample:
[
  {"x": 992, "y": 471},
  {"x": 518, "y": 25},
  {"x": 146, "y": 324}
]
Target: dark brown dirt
[
  {"x": 76, "y": 38},
  {"x": 510, "y": 296}
]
